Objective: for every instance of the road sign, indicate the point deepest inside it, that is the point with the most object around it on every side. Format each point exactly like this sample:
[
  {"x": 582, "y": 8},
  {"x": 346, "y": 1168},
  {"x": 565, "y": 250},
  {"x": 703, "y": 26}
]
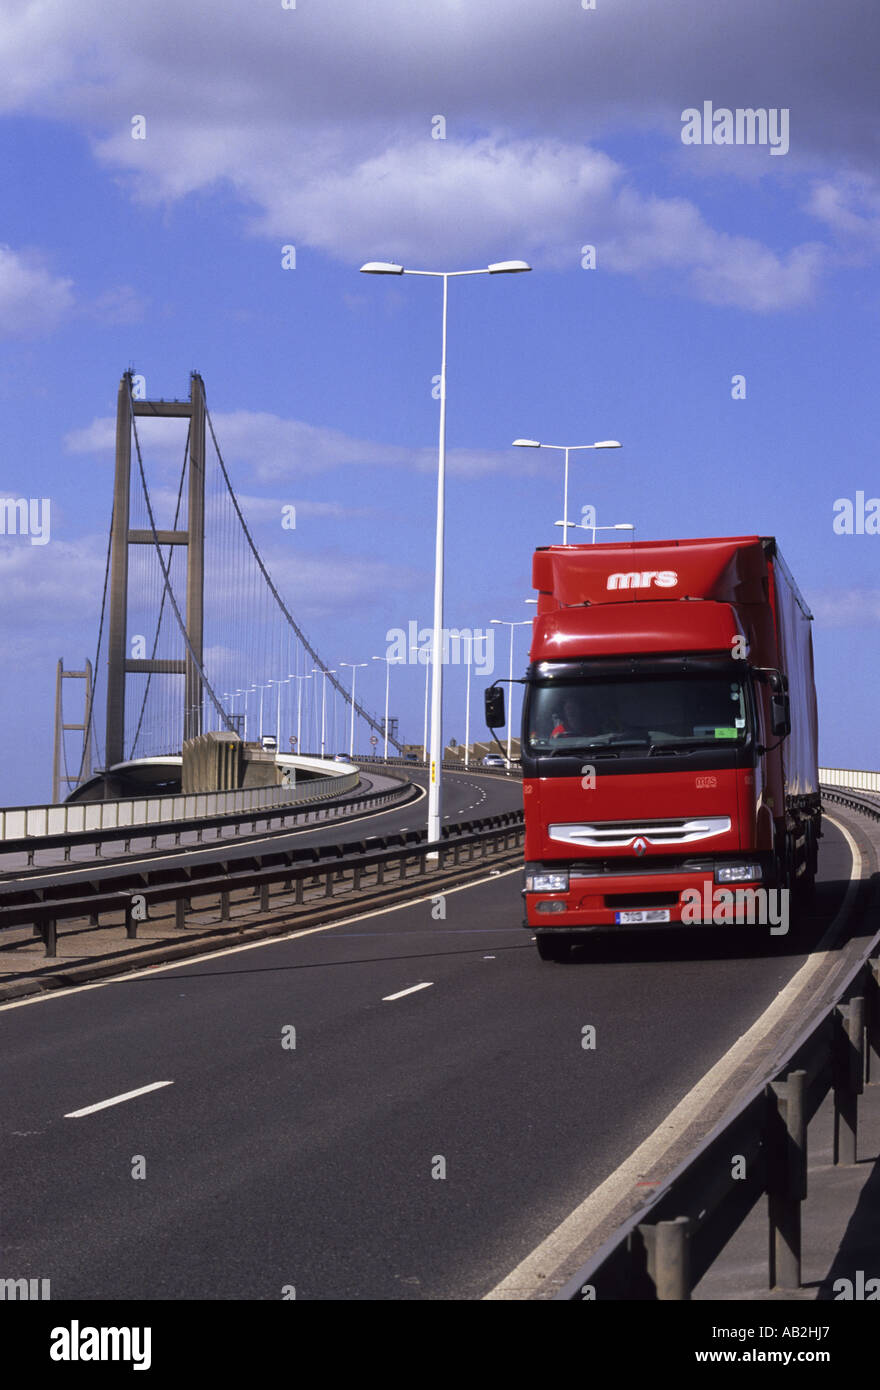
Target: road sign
[{"x": 373, "y": 740}]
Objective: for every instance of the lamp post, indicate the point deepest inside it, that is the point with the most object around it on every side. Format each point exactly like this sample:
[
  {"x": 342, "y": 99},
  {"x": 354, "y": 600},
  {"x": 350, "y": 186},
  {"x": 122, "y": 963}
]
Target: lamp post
[
  {"x": 315, "y": 670},
  {"x": 269, "y": 685},
  {"x": 467, "y": 699},
  {"x": 247, "y": 694},
  {"x": 426, "y": 649},
  {"x": 355, "y": 667},
  {"x": 436, "y": 760},
  {"x": 566, "y": 449},
  {"x": 240, "y": 728},
  {"x": 299, "y": 691},
  {"x": 502, "y": 622},
  {"x": 262, "y": 688},
  {"x": 279, "y": 684},
  {"x": 581, "y": 526},
  {"x": 388, "y": 665}
]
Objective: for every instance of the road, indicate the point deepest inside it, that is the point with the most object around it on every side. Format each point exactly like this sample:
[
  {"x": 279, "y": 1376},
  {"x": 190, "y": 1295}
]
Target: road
[
  {"x": 317, "y": 1166},
  {"x": 467, "y": 796}
]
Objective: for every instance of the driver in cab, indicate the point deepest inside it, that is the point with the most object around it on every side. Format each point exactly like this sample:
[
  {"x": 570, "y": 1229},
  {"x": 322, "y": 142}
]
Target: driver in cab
[
  {"x": 569, "y": 719},
  {"x": 586, "y": 714}
]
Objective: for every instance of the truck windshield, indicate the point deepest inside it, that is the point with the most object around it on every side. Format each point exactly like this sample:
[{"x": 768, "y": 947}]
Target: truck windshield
[{"x": 650, "y": 712}]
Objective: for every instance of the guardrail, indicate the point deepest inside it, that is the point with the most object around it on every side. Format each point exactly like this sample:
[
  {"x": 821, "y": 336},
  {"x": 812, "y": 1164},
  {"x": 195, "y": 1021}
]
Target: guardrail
[
  {"x": 663, "y": 1250},
  {"x": 277, "y": 816},
  {"x": 865, "y": 805},
  {"x": 133, "y": 891},
  {"x": 16, "y": 822},
  {"x": 454, "y": 765}
]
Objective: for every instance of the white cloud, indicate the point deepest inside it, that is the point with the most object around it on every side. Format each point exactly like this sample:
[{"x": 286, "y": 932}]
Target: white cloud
[
  {"x": 337, "y": 582},
  {"x": 270, "y": 448},
  {"x": 33, "y": 301},
  {"x": 269, "y": 509},
  {"x": 117, "y": 306},
  {"x": 851, "y": 608},
  {"x": 491, "y": 197},
  {"x": 850, "y": 206},
  {"x": 45, "y": 584},
  {"x": 319, "y": 119}
]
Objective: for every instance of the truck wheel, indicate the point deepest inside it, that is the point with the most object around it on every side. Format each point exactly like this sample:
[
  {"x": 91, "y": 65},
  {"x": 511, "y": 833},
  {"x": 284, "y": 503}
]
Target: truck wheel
[
  {"x": 805, "y": 884},
  {"x": 551, "y": 949}
]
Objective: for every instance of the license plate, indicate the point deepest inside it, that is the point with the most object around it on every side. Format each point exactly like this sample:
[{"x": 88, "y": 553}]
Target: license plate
[{"x": 629, "y": 919}]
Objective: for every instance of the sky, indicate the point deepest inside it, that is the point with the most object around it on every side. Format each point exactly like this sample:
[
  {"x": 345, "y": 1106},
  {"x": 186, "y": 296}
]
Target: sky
[{"x": 197, "y": 191}]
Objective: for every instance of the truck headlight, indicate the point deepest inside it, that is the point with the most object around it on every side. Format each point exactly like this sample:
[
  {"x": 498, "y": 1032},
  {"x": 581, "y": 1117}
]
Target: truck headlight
[
  {"x": 738, "y": 873},
  {"x": 547, "y": 883}
]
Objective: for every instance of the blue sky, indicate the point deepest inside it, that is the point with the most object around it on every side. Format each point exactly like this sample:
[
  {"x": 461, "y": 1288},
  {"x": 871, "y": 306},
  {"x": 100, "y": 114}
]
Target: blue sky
[{"x": 312, "y": 127}]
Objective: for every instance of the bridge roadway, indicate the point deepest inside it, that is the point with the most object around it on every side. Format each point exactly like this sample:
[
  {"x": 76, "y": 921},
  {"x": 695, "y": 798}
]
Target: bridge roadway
[
  {"x": 311, "y": 1167},
  {"x": 466, "y": 796}
]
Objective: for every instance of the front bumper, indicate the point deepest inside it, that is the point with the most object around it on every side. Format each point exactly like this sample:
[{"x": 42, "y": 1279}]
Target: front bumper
[{"x": 593, "y": 902}]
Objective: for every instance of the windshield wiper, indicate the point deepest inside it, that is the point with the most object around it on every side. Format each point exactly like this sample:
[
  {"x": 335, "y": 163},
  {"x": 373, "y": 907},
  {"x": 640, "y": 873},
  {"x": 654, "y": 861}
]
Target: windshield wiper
[
  {"x": 689, "y": 745},
  {"x": 579, "y": 748}
]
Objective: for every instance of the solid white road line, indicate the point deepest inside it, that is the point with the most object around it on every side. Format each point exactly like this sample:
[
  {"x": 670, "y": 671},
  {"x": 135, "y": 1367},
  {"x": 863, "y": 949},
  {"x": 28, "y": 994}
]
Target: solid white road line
[
  {"x": 532, "y": 1273},
  {"x": 116, "y": 1100},
  {"x": 386, "y": 999}
]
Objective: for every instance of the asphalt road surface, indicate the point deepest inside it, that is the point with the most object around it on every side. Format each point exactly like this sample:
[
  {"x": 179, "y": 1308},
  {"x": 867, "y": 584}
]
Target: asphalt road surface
[{"x": 409, "y": 1147}]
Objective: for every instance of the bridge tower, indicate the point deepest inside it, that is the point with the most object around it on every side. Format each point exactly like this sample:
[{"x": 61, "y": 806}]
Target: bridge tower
[
  {"x": 119, "y": 664},
  {"x": 85, "y": 769}
]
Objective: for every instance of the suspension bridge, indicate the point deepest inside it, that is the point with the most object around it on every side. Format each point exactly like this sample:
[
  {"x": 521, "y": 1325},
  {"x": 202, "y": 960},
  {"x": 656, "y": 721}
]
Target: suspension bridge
[{"x": 194, "y": 635}]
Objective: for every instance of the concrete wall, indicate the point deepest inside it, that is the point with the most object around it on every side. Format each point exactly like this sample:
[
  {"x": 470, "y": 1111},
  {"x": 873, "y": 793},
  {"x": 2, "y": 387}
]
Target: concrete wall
[{"x": 212, "y": 763}]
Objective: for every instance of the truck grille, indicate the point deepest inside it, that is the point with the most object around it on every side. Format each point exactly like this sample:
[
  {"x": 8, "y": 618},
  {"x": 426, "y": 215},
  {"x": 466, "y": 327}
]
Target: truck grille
[{"x": 618, "y": 834}]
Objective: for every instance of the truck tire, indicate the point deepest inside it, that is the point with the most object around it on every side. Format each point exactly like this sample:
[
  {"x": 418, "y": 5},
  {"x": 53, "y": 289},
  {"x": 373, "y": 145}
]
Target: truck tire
[
  {"x": 806, "y": 882},
  {"x": 551, "y": 948}
]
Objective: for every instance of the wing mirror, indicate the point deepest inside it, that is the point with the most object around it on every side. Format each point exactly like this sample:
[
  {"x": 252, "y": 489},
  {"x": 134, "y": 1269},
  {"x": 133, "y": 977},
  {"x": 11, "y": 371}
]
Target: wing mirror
[{"x": 494, "y": 698}]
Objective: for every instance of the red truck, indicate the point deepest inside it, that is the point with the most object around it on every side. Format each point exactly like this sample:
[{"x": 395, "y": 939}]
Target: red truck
[{"x": 669, "y": 739}]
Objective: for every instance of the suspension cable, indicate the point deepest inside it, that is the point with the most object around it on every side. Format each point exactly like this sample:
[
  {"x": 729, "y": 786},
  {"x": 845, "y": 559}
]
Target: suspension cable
[
  {"x": 88, "y": 729},
  {"x": 374, "y": 723}
]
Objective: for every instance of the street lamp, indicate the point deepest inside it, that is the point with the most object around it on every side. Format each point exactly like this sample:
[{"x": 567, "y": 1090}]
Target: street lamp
[
  {"x": 299, "y": 691},
  {"x": 355, "y": 667},
  {"x": 315, "y": 670},
  {"x": 388, "y": 664},
  {"x": 502, "y": 622},
  {"x": 239, "y": 727},
  {"x": 279, "y": 684},
  {"x": 262, "y": 688},
  {"x": 582, "y": 526},
  {"x": 434, "y": 779},
  {"x": 247, "y": 694},
  {"x": 427, "y": 671},
  {"x": 471, "y": 639},
  {"x": 566, "y": 449}
]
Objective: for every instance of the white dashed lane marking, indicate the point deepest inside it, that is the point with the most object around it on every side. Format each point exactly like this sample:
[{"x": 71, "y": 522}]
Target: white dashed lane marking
[
  {"x": 412, "y": 989},
  {"x": 115, "y": 1100}
]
